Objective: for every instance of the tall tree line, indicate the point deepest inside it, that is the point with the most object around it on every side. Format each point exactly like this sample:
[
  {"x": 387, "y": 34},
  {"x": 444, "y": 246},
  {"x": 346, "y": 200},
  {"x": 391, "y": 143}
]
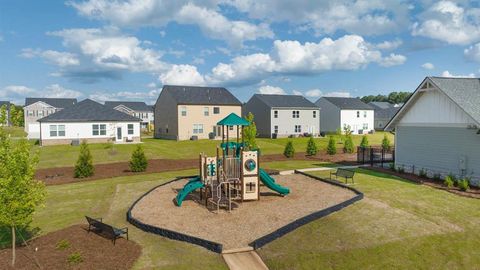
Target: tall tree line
[
  {"x": 15, "y": 115},
  {"x": 393, "y": 97}
]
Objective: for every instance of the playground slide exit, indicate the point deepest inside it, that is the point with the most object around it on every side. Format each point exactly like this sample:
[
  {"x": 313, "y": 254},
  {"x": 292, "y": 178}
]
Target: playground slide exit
[
  {"x": 270, "y": 183},
  {"x": 192, "y": 185}
]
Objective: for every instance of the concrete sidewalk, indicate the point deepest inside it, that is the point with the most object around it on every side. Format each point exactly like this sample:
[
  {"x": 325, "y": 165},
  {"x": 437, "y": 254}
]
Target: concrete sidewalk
[
  {"x": 322, "y": 169},
  {"x": 244, "y": 261}
]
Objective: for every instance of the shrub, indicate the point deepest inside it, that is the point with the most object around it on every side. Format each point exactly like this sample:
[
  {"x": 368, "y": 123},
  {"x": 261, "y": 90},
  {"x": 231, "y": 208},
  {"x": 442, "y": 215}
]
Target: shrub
[
  {"x": 448, "y": 182},
  {"x": 138, "y": 161},
  {"x": 62, "y": 244},
  {"x": 250, "y": 133},
  {"x": 401, "y": 169},
  {"x": 454, "y": 179},
  {"x": 386, "y": 143},
  {"x": 436, "y": 177},
  {"x": 349, "y": 146},
  {"x": 464, "y": 184},
  {"x": 289, "y": 151},
  {"x": 332, "y": 146},
  {"x": 422, "y": 173},
  {"x": 364, "y": 142},
  {"x": 312, "y": 148},
  {"x": 392, "y": 166},
  {"x": 75, "y": 258},
  {"x": 84, "y": 166}
]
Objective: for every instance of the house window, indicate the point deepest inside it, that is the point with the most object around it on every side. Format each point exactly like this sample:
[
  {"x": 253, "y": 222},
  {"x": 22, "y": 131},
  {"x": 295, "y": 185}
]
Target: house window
[
  {"x": 61, "y": 130},
  {"x": 275, "y": 129},
  {"x": 40, "y": 113},
  {"x": 230, "y": 127},
  {"x": 296, "y": 114},
  {"x": 53, "y": 131},
  {"x": 275, "y": 114},
  {"x": 251, "y": 187},
  {"x": 365, "y": 114},
  {"x": 57, "y": 130},
  {"x": 365, "y": 126},
  {"x": 130, "y": 129},
  {"x": 358, "y": 114},
  {"x": 29, "y": 113},
  {"x": 99, "y": 129},
  {"x": 314, "y": 114},
  {"x": 183, "y": 110},
  {"x": 197, "y": 128},
  {"x": 205, "y": 111},
  {"x": 298, "y": 128},
  {"x": 216, "y": 110}
]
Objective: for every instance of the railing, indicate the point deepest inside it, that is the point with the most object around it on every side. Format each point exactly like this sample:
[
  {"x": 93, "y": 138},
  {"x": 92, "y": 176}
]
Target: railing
[{"x": 372, "y": 155}]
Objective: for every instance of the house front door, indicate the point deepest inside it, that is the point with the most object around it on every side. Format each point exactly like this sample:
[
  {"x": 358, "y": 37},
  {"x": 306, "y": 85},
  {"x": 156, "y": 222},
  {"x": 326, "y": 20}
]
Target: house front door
[{"x": 119, "y": 133}]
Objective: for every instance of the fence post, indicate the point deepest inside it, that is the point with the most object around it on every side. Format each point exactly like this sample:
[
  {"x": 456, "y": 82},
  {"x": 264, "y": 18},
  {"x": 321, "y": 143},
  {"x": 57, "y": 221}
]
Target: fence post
[
  {"x": 371, "y": 156},
  {"x": 383, "y": 156}
]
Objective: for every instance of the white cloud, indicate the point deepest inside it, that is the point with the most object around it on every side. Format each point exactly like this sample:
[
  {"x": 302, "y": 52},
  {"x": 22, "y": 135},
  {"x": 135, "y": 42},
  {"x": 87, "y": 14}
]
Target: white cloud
[
  {"x": 57, "y": 91},
  {"x": 182, "y": 75},
  {"x": 446, "y": 73},
  {"x": 449, "y": 22},
  {"x": 313, "y": 93},
  {"x": 204, "y": 14},
  {"x": 198, "y": 60},
  {"x": 338, "y": 94},
  {"x": 17, "y": 93},
  {"x": 297, "y": 93},
  {"x": 389, "y": 45},
  {"x": 271, "y": 90},
  {"x": 428, "y": 66},
  {"x": 473, "y": 52},
  {"x": 393, "y": 60},
  {"x": 61, "y": 59},
  {"x": 148, "y": 96}
]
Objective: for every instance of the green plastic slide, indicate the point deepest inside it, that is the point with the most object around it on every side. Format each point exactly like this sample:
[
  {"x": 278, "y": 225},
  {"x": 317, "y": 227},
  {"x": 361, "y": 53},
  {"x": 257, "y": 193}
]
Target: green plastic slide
[
  {"x": 193, "y": 184},
  {"x": 270, "y": 183}
]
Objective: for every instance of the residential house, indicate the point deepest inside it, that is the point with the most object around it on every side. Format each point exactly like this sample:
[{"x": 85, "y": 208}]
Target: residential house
[
  {"x": 438, "y": 128},
  {"x": 91, "y": 121},
  {"x": 138, "y": 109},
  {"x": 36, "y": 108},
  {"x": 384, "y": 111},
  {"x": 345, "y": 113},
  {"x": 7, "y": 105},
  {"x": 283, "y": 115},
  {"x": 192, "y": 112}
]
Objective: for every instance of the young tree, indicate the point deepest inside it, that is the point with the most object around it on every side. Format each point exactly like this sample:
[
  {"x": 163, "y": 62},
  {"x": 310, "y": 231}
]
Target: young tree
[
  {"x": 138, "y": 161},
  {"x": 332, "y": 146},
  {"x": 289, "y": 151},
  {"x": 312, "y": 148},
  {"x": 84, "y": 166},
  {"x": 386, "y": 143},
  {"x": 20, "y": 193},
  {"x": 348, "y": 146},
  {"x": 19, "y": 117},
  {"x": 364, "y": 142},
  {"x": 250, "y": 132},
  {"x": 3, "y": 115},
  {"x": 13, "y": 115}
]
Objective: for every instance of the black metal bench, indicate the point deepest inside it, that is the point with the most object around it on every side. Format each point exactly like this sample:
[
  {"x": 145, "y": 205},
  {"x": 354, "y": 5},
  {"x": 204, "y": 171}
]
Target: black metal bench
[
  {"x": 96, "y": 225},
  {"x": 343, "y": 173}
]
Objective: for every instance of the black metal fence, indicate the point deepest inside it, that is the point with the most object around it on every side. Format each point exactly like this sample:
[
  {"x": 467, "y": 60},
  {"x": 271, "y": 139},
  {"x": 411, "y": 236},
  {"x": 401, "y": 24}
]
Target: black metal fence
[{"x": 374, "y": 155}]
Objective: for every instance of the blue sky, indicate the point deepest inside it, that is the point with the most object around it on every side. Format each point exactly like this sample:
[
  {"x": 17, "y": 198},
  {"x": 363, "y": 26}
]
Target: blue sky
[{"x": 126, "y": 50}]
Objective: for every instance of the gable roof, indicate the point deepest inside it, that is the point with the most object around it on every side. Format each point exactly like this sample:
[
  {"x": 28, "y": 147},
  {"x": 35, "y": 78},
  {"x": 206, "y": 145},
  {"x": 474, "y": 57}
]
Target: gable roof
[
  {"x": 233, "y": 120},
  {"x": 386, "y": 113},
  {"x": 347, "y": 103},
  {"x": 86, "y": 111},
  {"x": 133, "y": 105},
  {"x": 195, "y": 95},
  {"x": 54, "y": 102},
  {"x": 465, "y": 92},
  {"x": 380, "y": 104},
  {"x": 285, "y": 101}
]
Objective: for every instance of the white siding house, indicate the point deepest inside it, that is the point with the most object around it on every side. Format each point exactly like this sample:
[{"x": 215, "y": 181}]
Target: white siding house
[{"x": 438, "y": 129}]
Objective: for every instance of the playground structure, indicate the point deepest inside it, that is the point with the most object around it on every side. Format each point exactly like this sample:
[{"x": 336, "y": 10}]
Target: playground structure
[{"x": 233, "y": 175}]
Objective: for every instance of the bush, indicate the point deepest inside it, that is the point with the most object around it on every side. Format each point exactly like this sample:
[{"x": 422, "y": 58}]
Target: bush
[
  {"x": 62, "y": 244},
  {"x": 84, "y": 166},
  {"x": 392, "y": 166},
  {"x": 464, "y": 184},
  {"x": 312, "y": 148},
  {"x": 349, "y": 146},
  {"x": 364, "y": 142},
  {"x": 401, "y": 169},
  {"x": 436, "y": 177},
  {"x": 332, "y": 146},
  {"x": 386, "y": 143},
  {"x": 422, "y": 173},
  {"x": 454, "y": 179},
  {"x": 138, "y": 161},
  {"x": 448, "y": 182},
  {"x": 289, "y": 151},
  {"x": 75, "y": 258}
]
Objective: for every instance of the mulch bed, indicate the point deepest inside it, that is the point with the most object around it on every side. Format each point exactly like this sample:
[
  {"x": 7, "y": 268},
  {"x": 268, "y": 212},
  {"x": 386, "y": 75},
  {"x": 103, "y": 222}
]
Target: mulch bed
[
  {"x": 64, "y": 175},
  {"x": 473, "y": 192},
  {"x": 96, "y": 252}
]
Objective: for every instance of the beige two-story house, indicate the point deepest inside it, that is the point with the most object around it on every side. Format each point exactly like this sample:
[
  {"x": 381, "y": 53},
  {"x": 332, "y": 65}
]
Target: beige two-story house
[{"x": 191, "y": 112}]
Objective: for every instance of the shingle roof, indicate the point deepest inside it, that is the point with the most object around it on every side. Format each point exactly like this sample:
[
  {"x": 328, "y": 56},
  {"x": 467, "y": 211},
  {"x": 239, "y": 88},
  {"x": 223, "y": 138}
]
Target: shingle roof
[
  {"x": 348, "y": 103},
  {"x": 54, "y": 102},
  {"x": 285, "y": 101},
  {"x": 233, "y": 120},
  {"x": 386, "y": 113},
  {"x": 86, "y": 111},
  {"x": 201, "y": 95},
  {"x": 7, "y": 103},
  {"x": 463, "y": 91},
  {"x": 380, "y": 105},
  {"x": 133, "y": 105}
]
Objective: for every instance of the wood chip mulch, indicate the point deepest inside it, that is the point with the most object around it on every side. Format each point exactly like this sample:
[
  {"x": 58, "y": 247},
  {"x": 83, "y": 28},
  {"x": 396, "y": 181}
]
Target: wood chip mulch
[
  {"x": 473, "y": 192},
  {"x": 96, "y": 252}
]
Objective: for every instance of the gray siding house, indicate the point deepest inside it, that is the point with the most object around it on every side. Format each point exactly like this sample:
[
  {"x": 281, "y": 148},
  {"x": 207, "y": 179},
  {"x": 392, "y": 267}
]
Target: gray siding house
[
  {"x": 134, "y": 108},
  {"x": 438, "y": 128},
  {"x": 283, "y": 115},
  {"x": 384, "y": 112}
]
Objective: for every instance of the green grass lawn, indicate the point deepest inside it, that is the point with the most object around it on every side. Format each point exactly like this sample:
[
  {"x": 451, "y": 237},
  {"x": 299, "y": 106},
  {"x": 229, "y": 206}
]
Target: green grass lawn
[
  {"x": 15, "y": 132},
  {"x": 66, "y": 155},
  {"x": 399, "y": 225}
]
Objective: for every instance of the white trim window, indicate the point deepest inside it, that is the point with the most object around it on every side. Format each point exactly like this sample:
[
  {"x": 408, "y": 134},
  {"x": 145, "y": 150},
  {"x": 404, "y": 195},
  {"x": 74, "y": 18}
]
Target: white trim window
[
  {"x": 314, "y": 114},
  {"x": 275, "y": 114},
  {"x": 216, "y": 110},
  {"x": 358, "y": 114},
  {"x": 298, "y": 128},
  {"x": 57, "y": 130},
  {"x": 99, "y": 129},
  {"x": 295, "y": 114},
  {"x": 197, "y": 128},
  {"x": 130, "y": 129},
  {"x": 275, "y": 129},
  {"x": 365, "y": 126},
  {"x": 364, "y": 114},
  {"x": 183, "y": 110},
  {"x": 206, "y": 111},
  {"x": 30, "y": 113}
]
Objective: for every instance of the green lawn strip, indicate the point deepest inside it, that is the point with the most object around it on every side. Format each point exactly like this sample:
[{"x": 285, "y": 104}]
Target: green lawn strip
[
  {"x": 16, "y": 132},
  {"x": 110, "y": 199},
  {"x": 296, "y": 164},
  {"x": 66, "y": 155},
  {"x": 398, "y": 225}
]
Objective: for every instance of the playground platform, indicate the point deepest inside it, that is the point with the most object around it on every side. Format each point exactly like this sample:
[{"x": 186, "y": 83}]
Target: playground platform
[{"x": 245, "y": 224}]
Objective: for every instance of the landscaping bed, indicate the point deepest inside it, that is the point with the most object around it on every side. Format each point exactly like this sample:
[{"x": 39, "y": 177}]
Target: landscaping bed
[
  {"x": 73, "y": 248},
  {"x": 472, "y": 192},
  {"x": 64, "y": 175}
]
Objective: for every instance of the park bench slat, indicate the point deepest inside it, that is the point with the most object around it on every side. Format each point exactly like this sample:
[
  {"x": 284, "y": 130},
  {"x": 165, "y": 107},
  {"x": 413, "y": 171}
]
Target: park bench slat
[
  {"x": 96, "y": 224},
  {"x": 343, "y": 173}
]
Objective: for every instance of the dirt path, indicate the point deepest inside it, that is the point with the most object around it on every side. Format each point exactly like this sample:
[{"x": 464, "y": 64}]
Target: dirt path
[
  {"x": 244, "y": 261},
  {"x": 64, "y": 175}
]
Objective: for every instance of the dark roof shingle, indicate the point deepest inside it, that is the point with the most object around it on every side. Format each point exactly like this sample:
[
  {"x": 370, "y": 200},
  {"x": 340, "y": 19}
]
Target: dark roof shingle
[
  {"x": 348, "y": 103},
  {"x": 86, "y": 111},
  {"x": 285, "y": 101},
  {"x": 54, "y": 102},
  {"x": 133, "y": 105},
  {"x": 190, "y": 95}
]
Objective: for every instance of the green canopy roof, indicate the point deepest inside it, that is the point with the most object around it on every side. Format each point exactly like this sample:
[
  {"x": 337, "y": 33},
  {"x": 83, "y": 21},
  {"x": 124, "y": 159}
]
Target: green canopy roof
[{"x": 233, "y": 120}]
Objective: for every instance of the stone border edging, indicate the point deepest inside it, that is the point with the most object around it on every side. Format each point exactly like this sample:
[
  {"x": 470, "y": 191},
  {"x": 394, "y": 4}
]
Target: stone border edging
[
  {"x": 213, "y": 246},
  {"x": 262, "y": 241}
]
